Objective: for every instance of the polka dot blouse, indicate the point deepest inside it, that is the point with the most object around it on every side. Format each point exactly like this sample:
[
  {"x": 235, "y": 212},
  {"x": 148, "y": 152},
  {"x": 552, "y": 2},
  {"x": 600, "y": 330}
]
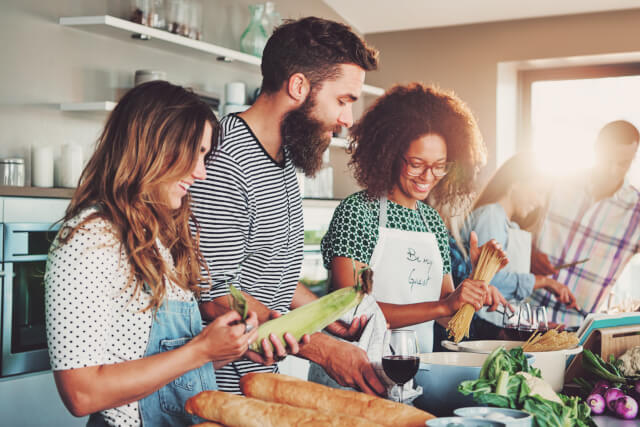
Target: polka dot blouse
[
  {"x": 91, "y": 315},
  {"x": 353, "y": 232}
]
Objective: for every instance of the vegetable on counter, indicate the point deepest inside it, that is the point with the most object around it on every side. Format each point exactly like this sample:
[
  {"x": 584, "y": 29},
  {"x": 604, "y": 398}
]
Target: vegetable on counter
[
  {"x": 630, "y": 362},
  {"x": 316, "y": 315},
  {"x": 626, "y": 408},
  {"x": 597, "y": 403},
  {"x": 611, "y": 395},
  {"x": 507, "y": 381},
  {"x": 615, "y": 391},
  {"x": 605, "y": 370}
]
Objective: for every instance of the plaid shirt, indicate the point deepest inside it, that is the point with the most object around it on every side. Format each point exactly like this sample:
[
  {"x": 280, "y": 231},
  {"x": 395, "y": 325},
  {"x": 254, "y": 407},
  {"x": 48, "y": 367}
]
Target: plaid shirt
[{"x": 575, "y": 227}]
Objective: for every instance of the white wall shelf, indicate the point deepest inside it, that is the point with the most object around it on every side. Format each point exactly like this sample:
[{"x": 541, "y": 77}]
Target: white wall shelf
[
  {"x": 88, "y": 106},
  {"x": 126, "y": 30}
]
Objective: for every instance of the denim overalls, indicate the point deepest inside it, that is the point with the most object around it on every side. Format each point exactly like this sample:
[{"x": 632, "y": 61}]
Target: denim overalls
[{"x": 175, "y": 324}]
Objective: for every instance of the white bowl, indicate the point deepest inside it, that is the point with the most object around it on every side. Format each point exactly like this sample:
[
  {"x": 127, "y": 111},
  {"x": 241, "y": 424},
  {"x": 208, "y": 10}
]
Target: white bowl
[
  {"x": 552, "y": 364},
  {"x": 518, "y": 418}
]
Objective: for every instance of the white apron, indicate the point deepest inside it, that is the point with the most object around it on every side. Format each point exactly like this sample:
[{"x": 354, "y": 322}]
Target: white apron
[
  {"x": 407, "y": 269},
  {"x": 518, "y": 250}
]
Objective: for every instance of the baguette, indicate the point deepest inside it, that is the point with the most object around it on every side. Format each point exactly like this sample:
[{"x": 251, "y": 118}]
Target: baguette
[
  {"x": 238, "y": 411},
  {"x": 304, "y": 394}
]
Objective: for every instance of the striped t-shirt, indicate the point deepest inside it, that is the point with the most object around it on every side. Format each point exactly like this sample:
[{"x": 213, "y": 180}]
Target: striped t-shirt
[{"x": 251, "y": 228}]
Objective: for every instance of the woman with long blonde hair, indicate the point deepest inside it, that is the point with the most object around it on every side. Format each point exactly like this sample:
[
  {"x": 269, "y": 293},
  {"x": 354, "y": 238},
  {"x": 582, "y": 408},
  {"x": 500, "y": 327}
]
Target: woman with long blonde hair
[{"x": 124, "y": 331}]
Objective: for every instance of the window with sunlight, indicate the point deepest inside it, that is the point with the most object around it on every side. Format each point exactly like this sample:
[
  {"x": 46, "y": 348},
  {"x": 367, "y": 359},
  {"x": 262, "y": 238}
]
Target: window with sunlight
[{"x": 566, "y": 116}]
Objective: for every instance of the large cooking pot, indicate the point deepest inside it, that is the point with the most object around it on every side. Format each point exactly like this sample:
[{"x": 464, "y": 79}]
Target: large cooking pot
[
  {"x": 441, "y": 373},
  {"x": 552, "y": 364}
]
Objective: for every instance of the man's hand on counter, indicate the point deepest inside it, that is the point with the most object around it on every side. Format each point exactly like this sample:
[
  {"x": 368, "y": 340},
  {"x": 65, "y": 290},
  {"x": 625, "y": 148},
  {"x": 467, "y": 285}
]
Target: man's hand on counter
[{"x": 346, "y": 363}]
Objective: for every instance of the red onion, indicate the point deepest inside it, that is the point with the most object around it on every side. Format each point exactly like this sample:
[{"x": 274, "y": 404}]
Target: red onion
[
  {"x": 596, "y": 403},
  {"x": 601, "y": 387},
  {"x": 626, "y": 407},
  {"x": 611, "y": 395}
]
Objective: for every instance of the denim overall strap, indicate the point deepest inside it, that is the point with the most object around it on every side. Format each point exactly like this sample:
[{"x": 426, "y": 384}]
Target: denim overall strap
[{"x": 175, "y": 324}]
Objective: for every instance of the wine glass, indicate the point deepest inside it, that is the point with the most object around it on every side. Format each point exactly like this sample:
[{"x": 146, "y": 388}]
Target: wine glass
[
  {"x": 541, "y": 322},
  {"x": 518, "y": 324},
  {"x": 400, "y": 360}
]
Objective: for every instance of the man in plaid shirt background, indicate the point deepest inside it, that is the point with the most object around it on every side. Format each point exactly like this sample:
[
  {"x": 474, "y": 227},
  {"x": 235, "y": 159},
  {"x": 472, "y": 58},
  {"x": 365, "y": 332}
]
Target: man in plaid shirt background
[{"x": 594, "y": 216}]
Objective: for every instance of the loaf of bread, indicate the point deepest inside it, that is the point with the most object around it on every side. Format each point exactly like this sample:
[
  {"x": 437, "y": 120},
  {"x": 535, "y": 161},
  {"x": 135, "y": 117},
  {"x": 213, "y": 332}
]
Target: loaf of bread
[
  {"x": 238, "y": 411},
  {"x": 208, "y": 424},
  {"x": 304, "y": 394}
]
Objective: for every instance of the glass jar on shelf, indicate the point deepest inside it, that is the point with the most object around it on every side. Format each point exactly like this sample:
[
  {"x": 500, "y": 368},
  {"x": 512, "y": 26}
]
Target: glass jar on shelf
[
  {"x": 140, "y": 11},
  {"x": 254, "y": 37},
  {"x": 177, "y": 17},
  {"x": 148, "y": 12},
  {"x": 194, "y": 23},
  {"x": 271, "y": 18},
  {"x": 157, "y": 15}
]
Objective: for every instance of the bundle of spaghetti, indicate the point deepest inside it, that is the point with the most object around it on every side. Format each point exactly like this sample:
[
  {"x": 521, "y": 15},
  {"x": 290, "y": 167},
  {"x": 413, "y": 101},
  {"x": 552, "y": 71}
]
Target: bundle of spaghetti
[
  {"x": 550, "y": 341},
  {"x": 488, "y": 265}
]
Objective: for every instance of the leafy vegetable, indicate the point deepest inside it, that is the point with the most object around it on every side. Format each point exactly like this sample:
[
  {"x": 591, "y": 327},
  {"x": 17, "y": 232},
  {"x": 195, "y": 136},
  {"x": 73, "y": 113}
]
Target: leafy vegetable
[
  {"x": 605, "y": 370},
  {"x": 507, "y": 381}
]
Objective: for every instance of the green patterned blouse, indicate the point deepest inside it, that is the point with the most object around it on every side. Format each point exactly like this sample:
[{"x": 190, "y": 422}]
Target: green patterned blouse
[{"x": 353, "y": 232}]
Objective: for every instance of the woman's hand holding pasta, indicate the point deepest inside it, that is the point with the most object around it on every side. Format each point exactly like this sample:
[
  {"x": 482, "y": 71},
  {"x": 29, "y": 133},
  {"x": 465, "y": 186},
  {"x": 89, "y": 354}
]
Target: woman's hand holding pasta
[{"x": 469, "y": 292}]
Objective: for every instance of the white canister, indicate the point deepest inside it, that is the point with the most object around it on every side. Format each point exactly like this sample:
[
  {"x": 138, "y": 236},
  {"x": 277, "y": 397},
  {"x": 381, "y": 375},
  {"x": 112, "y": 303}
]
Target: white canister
[
  {"x": 42, "y": 166},
  {"x": 70, "y": 165},
  {"x": 235, "y": 93},
  {"x": 143, "y": 76}
]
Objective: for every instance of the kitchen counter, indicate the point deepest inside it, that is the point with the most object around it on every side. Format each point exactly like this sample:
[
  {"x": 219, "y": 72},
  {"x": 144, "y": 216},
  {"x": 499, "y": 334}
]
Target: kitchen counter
[
  {"x": 56, "y": 193},
  {"x": 609, "y": 421}
]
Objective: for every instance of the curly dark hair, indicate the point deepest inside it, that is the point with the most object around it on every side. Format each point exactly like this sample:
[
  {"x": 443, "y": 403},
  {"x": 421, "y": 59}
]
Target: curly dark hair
[
  {"x": 314, "y": 47},
  {"x": 403, "y": 114}
]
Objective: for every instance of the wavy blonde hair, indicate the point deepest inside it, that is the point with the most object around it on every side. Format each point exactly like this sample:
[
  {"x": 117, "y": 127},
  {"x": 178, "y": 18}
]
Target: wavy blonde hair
[{"x": 152, "y": 138}]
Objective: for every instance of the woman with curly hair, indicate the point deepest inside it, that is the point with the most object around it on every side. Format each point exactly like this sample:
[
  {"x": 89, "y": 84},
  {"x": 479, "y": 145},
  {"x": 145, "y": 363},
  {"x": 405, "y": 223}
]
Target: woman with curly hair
[
  {"x": 413, "y": 141},
  {"x": 125, "y": 335}
]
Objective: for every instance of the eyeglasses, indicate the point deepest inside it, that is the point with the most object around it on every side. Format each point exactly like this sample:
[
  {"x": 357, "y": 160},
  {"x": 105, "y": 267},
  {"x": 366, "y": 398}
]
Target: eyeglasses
[{"x": 438, "y": 170}]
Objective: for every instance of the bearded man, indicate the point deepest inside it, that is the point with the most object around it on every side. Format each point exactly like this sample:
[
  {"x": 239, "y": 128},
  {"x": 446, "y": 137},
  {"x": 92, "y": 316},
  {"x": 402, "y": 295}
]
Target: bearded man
[{"x": 249, "y": 208}]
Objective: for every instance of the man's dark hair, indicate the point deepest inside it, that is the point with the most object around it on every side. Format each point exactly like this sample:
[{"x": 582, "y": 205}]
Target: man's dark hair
[
  {"x": 618, "y": 132},
  {"x": 314, "y": 47}
]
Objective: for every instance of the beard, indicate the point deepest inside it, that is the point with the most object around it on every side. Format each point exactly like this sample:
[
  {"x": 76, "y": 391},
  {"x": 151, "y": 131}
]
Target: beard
[{"x": 305, "y": 137}]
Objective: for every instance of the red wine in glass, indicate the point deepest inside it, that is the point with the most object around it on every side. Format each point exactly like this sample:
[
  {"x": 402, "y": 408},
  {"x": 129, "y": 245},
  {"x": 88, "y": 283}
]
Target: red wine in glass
[
  {"x": 400, "y": 368},
  {"x": 400, "y": 358}
]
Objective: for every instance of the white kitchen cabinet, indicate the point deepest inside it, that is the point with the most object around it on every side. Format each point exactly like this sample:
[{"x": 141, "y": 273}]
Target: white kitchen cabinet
[{"x": 32, "y": 400}]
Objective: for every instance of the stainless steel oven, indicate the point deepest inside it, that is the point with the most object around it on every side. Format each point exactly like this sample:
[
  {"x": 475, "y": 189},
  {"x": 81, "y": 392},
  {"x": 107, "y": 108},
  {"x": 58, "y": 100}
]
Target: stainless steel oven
[{"x": 24, "y": 255}]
